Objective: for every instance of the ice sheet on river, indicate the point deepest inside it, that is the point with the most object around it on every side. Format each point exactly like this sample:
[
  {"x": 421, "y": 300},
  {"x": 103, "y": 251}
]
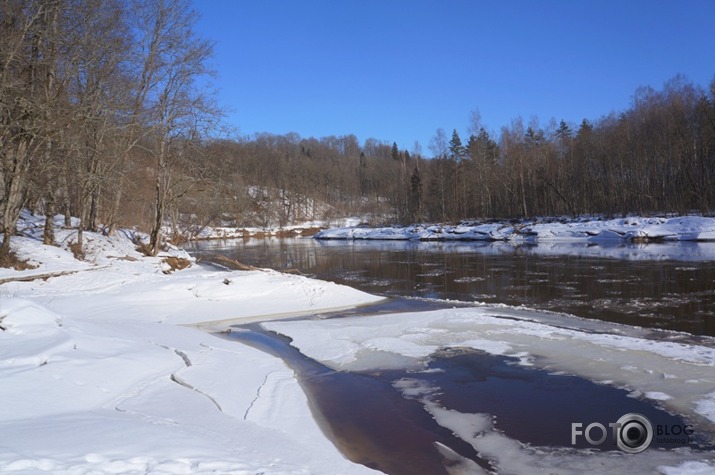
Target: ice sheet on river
[{"x": 674, "y": 370}]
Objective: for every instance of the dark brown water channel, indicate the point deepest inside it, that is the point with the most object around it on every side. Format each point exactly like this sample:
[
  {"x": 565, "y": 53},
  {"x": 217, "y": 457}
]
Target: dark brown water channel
[
  {"x": 374, "y": 423},
  {"x": 365, "y": 416}
]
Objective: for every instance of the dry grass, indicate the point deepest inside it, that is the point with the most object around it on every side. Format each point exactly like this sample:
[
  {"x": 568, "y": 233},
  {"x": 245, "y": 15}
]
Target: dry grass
[
  {"x": 77, "y": 251},
  {"x": 10, "y": 260},
  {"x": 176, "y": 263}
]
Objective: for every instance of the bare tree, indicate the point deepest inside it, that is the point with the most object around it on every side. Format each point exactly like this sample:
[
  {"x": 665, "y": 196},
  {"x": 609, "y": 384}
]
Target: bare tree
[
  {"x": 174, "y": 59},
  {"x": 26, "y": 29},
  {"x": 98, "y": 75}
]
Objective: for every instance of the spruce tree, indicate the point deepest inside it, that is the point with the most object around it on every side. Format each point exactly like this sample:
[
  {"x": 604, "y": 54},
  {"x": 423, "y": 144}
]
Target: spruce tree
[{"x": 456, "y": 149}]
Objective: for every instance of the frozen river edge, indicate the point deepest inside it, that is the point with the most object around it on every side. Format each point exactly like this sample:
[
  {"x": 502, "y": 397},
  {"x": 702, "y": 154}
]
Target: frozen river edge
[{"x": 103, "y": 371}]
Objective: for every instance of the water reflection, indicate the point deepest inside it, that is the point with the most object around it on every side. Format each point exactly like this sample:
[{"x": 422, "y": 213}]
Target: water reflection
[{"x": 669, "y": 286}]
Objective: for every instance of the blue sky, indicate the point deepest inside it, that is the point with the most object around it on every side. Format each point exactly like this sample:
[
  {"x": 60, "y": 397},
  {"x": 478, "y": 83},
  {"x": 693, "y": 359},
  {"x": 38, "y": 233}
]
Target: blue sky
[{"x": 398, "y": 70}]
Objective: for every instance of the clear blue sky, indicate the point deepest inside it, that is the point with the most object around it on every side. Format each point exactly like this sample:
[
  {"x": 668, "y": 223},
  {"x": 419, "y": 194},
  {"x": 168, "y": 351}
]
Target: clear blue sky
[{"x": 398, "y": 70}]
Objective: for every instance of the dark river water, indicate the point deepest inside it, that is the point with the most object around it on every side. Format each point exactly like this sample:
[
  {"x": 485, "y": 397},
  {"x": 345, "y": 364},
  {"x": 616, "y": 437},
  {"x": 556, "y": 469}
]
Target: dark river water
[
  {"x": 659, "y": 291},
  {"x": 374, "y": 423}
]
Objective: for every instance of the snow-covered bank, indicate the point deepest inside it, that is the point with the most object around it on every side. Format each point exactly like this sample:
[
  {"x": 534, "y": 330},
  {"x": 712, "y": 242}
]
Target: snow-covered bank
[
  {"x": 687, "y": 251},
  {"x": 112, "y": 396},
  {"x": 98, "y": 377},
  {"x": 687, "y": 228},
  {"x": 306, "y": 228}
]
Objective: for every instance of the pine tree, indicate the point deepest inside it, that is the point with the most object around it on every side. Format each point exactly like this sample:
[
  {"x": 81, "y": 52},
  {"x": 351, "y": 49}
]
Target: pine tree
[
  {"x": 395, "y": 153},
  {"x": 533, "y": 137},
  {"x": 456, "y": 149},
  {"x": 564, "y": 131}
]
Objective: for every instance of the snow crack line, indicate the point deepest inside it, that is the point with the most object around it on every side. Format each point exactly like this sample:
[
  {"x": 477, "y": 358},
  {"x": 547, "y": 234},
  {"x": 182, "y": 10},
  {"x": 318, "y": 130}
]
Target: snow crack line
[
  {"x": 187, "y": 362},
  {"x": 183, "y": 356},
  {"x": 258, "y": 395},
  {"x": 183, "y": 383}
]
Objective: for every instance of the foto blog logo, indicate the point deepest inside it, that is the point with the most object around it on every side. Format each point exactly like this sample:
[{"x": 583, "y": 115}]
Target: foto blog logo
[{"x": 632, "y": 433}]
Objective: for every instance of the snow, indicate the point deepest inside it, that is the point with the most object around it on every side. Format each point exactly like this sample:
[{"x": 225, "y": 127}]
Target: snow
[
  {"x": 101, "y": 375},
  {"x": 296, "y": 229},
  {"x": 687, "y": 228},
  {"x": 706, "y": 406},
  {"x": 109, "y": 364},
  {"x": 98, "y": 400},
  {"x": 687, "y": 238}
]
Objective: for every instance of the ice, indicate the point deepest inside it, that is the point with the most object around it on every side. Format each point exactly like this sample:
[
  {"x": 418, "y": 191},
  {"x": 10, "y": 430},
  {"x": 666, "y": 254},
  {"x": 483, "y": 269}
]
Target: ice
[
  {"x": 672, "y": 373},
  {"x": 706, "y": 406},
  {"x": 686, "y": 228},
  {"x": 689, "y": 468},
  {"x": 676, "y": 374},
  {"x": 657, "y": 396},
  {"x": 510, "y": 456}
]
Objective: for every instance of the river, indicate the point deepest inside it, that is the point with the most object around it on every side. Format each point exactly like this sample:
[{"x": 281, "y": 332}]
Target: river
[
  {"x": 374, "y": 423},
  {"x": 658, "y": 290}
]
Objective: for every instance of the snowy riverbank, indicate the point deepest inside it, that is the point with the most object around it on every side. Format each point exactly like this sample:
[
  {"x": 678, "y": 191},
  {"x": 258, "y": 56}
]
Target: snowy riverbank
[
  {"x": 634, "y": 229},
  {"x": 99, "y": 377},
  {"x": 109, "y": 367}
]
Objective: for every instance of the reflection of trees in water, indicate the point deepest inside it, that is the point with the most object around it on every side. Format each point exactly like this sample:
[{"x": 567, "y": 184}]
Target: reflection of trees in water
[{"x": 666, "y": 294}]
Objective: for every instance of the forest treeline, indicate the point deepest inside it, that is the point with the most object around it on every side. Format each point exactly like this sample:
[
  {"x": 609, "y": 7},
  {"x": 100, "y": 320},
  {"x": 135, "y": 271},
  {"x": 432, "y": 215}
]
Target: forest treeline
[
  {"x": 105, "y": 115},
  {"x": 658, "y": 156}
]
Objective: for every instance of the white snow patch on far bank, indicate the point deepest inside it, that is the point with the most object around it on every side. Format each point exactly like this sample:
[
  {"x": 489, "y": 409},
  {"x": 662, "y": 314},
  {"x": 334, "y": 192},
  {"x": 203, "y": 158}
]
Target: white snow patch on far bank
[{"x": 683, "y": 228}]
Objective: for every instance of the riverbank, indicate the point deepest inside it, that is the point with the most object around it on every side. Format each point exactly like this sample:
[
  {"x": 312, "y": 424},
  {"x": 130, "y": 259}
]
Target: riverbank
[
  {"x": 104, "y": 371},
  {"x": 632, "y": 229},
  {"x": 595, "y": 229},
  {"x": 306, "y": 228}
]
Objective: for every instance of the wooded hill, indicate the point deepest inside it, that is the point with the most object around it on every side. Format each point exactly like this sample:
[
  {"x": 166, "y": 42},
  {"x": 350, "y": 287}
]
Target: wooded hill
[
  {"x": 656, "y": 157},
  {"x": 104, "y": 115}
]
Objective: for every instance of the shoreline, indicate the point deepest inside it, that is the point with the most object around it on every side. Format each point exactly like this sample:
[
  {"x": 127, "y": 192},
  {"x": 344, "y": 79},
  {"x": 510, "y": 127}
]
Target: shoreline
[
  {"x": 107, "y": 371},
  {"x": 635, "y": 230}
]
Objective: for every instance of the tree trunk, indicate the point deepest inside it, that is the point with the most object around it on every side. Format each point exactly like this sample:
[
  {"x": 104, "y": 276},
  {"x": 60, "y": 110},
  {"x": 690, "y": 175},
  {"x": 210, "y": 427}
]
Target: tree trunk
[
  {"x": 160, "y": 192},
  {"x": 48, "y": 235},
  {"x": 15, "y": 184},
  {"x": 155, "y": 236},
  {"x": 114, "y": 211}
]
